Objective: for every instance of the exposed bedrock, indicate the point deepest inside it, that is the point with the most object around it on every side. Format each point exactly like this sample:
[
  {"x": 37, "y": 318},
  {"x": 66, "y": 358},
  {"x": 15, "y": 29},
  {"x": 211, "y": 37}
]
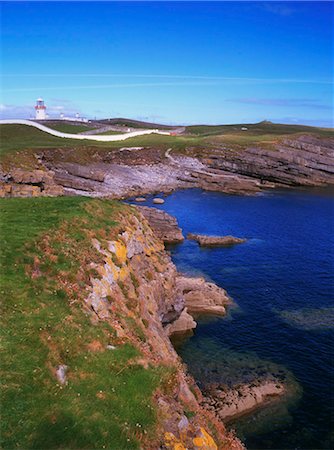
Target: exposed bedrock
[
  {"x": 203, "y": 297},
  {"x": 200, "y": 298},
  {"x": 29, "y": 183},
  {"x": 136, "y": 171},
  {"x": 163, "y": 224},
  {"x": 305, "y": 161}
]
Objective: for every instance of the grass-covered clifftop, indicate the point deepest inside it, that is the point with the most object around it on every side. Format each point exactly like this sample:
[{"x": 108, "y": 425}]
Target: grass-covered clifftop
[
  {"x": 45, "y": 241},
  {"x": 83, "y": 285}
]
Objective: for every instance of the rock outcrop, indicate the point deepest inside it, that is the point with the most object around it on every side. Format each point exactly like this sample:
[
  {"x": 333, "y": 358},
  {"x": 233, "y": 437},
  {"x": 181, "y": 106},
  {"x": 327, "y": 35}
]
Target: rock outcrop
[
  {"x": 203, "y": 297},
  {"x": 303, "y": 161},
  {"x": 185, "y": 324},
  {"x": 215, "y": 241},
  {"x": 164, "y": 225},
  {"x": 30, "y": 183}
]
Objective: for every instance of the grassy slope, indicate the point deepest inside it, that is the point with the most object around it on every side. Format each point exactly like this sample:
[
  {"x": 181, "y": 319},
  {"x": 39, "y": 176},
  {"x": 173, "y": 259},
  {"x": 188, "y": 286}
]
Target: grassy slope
[
  {"x": 41, "y": 329},
  {"x": 68, "y": 127},
  {"x": 257, "y": 129},
  {"x": 134, "y": 123},
  {"x": 21, "y": 137}
]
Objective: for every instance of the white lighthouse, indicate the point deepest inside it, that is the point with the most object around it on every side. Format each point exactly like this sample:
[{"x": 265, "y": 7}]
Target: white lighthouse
[{"x": 40, "y": 109}]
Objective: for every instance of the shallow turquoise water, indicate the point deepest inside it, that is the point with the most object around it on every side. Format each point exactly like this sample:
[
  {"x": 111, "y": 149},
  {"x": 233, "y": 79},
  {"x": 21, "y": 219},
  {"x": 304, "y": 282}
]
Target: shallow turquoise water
[{"x": 282, "y": 282}]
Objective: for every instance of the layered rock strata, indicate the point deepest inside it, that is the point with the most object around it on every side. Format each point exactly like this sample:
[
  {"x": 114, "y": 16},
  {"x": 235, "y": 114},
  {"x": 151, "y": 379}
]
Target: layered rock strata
[
  {"x": 136, "y": 171},
  {"x": 303, "y": 161},
  {"x": 34, "y": 183}
]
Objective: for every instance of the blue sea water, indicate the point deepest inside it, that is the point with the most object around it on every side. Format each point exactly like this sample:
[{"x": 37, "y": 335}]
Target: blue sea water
[{"x": 282, "y": 281}]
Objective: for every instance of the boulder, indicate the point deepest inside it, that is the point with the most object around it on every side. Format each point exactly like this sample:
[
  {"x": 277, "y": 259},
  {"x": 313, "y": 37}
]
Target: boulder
[{"x": 158, "y": 201}]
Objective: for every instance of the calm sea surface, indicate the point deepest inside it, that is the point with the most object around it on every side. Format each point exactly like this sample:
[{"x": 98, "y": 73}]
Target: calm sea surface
[{"x": 281, "y": 280}]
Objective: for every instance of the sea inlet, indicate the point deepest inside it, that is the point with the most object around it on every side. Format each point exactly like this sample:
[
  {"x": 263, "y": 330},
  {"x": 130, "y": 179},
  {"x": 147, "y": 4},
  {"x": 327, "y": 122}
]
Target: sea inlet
[{"x": 281, "y": 281}]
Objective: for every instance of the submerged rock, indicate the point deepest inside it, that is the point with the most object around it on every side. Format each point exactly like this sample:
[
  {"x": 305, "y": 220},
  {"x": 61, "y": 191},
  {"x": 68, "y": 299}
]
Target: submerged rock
[
  {"x": 215, "y": 241},
  {"x": 230, "y": 403},
  {"x": 309, "y": 318}
]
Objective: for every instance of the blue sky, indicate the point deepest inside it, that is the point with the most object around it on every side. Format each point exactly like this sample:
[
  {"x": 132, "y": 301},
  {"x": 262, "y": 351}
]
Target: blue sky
[{"x": 172, "y": 62}]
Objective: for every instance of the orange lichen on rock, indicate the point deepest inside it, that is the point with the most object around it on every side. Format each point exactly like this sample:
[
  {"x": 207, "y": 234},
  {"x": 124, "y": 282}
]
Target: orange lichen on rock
[
  {"x": 171, "y": 442},
  {"x": 203, "y": 441}
]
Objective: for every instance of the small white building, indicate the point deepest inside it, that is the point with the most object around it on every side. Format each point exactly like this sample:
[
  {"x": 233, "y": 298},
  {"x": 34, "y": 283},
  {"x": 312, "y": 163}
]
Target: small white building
[
  {"x": 40, "y": 109},
  {"x": 77, "y": 118}
]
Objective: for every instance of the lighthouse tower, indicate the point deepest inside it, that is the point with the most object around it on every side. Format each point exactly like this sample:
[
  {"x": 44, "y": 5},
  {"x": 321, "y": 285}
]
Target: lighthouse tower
[{"x": 40, "y": 109}]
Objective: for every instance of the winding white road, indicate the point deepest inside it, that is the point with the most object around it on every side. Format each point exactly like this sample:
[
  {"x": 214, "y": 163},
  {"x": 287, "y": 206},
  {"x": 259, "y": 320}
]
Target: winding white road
[{"x": 107, "y": 138}]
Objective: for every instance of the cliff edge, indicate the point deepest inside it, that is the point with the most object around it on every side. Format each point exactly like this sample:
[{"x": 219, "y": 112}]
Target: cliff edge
[{"x": 89, "y": 294}]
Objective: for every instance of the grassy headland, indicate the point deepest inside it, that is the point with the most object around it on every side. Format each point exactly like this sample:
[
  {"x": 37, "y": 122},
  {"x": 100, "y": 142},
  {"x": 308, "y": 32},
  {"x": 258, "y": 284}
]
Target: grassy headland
[
  {"x": 107, "y": 402},
  {"x": 19, "y": 143}
]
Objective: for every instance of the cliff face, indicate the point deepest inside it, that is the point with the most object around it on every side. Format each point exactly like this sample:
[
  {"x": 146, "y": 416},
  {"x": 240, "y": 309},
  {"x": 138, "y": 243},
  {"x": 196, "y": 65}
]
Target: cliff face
[
  {"x": 137, "y": 290},
  {"x": 303, "y": 161}
]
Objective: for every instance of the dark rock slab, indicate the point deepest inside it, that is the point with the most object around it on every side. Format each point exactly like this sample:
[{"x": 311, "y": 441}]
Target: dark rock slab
[{"x": 215, "y": 241}]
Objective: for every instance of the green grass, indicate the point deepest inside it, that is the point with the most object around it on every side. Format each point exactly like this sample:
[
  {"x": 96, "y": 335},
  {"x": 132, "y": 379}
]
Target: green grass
[
  {"x": 131, "y": 123},
  {"x": 20, "y": 143},
  {"x": 22, "y": 137},
  {"x": 104, "y": 399},
  {"x": 68, "y": 127},
  {"x": 257, "y": 129},
  {"x": 111, "y": 132}
]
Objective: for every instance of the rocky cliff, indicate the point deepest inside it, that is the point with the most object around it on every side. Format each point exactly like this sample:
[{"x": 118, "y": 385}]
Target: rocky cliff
[{"x": 138, "y": 292}]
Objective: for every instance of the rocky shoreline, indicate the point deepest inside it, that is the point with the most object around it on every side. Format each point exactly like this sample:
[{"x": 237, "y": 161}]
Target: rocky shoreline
[
  {"x": 205, "y": 298},
  {"x": 130, "y": 172},
  {"x": 168, "y": 301}
]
